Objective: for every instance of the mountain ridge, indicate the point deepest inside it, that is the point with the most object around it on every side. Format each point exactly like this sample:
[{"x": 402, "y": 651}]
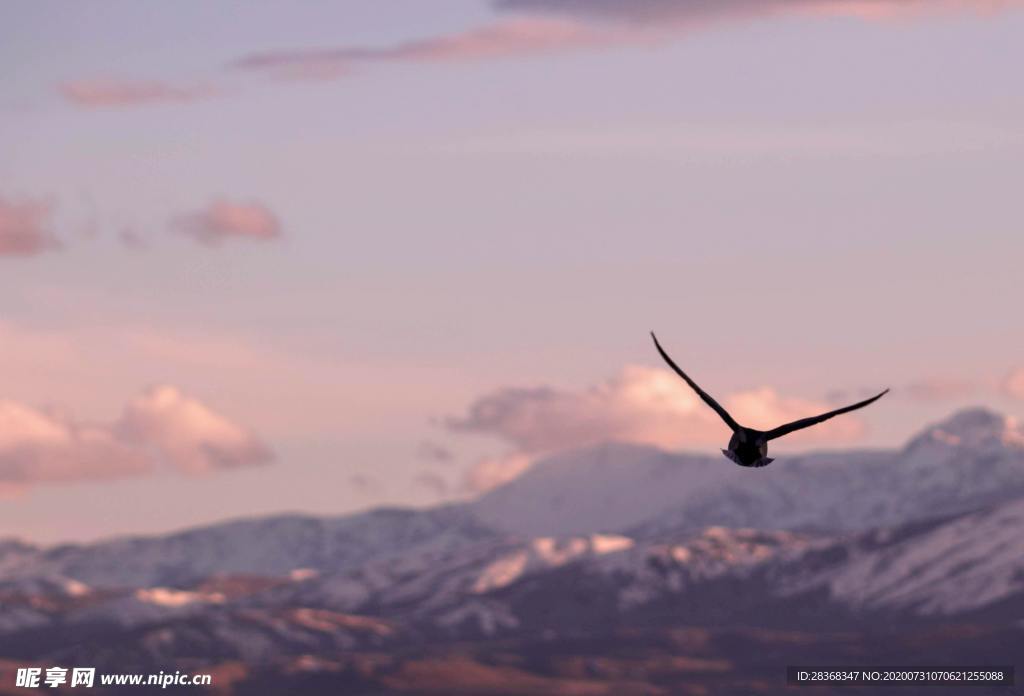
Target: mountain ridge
[
  {"x": 357, "y": 596},
  {"x": 970, "y": 460}
]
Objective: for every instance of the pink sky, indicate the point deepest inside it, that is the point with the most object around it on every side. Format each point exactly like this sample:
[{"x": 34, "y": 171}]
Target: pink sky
[{"x": 320, "y": 258}]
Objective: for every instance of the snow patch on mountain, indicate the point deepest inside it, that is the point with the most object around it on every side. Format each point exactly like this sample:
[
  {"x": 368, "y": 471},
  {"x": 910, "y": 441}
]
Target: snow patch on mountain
[
  {"x": 648, "y": 571},
  {"x": 169, "y": 597},
  {"x": 272, "y": 546},
  {"x": 965, "y": 564},
  {"x": 544, "y": 553}
]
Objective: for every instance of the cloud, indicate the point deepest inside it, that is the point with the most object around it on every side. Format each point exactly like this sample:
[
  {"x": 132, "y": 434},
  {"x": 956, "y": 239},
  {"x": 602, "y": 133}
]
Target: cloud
[
  {"x": 122, "y": 93},
  {"x": 685, "y": 12},
  {"x": 1013, "y": 384},
  {"x": 161, "y": 429},
  {"x": 223, "y": 220},
  {"x": 494, "y": 471},
  {"x": 186, "y": 435},
  {"x": 641, "y": 11},
  {"x": 641, "y": 405},
  {"x": 548, "y": 26},
  {"x": 25, "y": 228},
  {"x": 502, "y": 39},
  {"x": 765, "y": 408}
]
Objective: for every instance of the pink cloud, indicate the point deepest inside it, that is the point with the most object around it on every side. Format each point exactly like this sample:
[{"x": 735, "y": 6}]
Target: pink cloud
[
  {"x": 764, "y": 408},
  {"x": 690, "y": 11},
  {"x": 499, "y": 40},
  {"x": 162, "y": 429},
  {"x": 223, "y": 220},
  {"x": 642, "y": 405},
  {"x": 561, "y": 25},
  {"x": 494, "y": 471},
  {"x": 184, "y": 434},
  {"x": 121, "y": 93},
  {"x": 25, "y": 228}
]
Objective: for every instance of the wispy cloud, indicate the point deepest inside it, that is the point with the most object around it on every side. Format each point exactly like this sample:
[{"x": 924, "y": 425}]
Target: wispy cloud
[
  {"x": 224, "y": 220},
  {"x": 641, "y": 404},
  {"x": 25, "y": 228},
  {"x": 161, "y": 429},
  {"x": 685, "y": 12},
  {"x": 548, "y": 26},
  {"x": 542, "y": 26},
  {"x": 503, "y": 39},
  {"x": 125, "y": 93}
]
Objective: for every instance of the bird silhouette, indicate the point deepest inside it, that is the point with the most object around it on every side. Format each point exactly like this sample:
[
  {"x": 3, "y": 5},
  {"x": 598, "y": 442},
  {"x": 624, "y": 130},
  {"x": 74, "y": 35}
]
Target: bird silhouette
[{"x": 749, "y": 447}]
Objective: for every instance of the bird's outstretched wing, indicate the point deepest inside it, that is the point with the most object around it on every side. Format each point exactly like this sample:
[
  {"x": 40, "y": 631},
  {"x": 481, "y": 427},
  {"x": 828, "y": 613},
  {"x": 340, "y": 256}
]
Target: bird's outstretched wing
[
  {"x": 693, "y": 385},
  {"x": 814, "y": 420}
]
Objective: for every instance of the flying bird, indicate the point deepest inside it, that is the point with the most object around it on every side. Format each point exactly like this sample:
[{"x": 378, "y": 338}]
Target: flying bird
[{"x": 749, "y": 447}]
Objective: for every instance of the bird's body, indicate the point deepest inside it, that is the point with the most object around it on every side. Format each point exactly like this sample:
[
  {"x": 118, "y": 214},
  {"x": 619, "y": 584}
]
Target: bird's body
[{"x": 747, "y": 446}]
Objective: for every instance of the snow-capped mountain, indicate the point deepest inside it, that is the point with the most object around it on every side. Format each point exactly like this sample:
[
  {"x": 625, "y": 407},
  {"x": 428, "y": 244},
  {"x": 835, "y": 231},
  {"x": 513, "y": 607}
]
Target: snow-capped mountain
[
  {"x": 590, "y": 544},
  {"x": 961, "y": 566},
  {"x": 605, "y": 488},
  {"x": 973, "y": 459},
  {"x": 968, "y": 565},
  {"x": 271, "y": 546}
]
